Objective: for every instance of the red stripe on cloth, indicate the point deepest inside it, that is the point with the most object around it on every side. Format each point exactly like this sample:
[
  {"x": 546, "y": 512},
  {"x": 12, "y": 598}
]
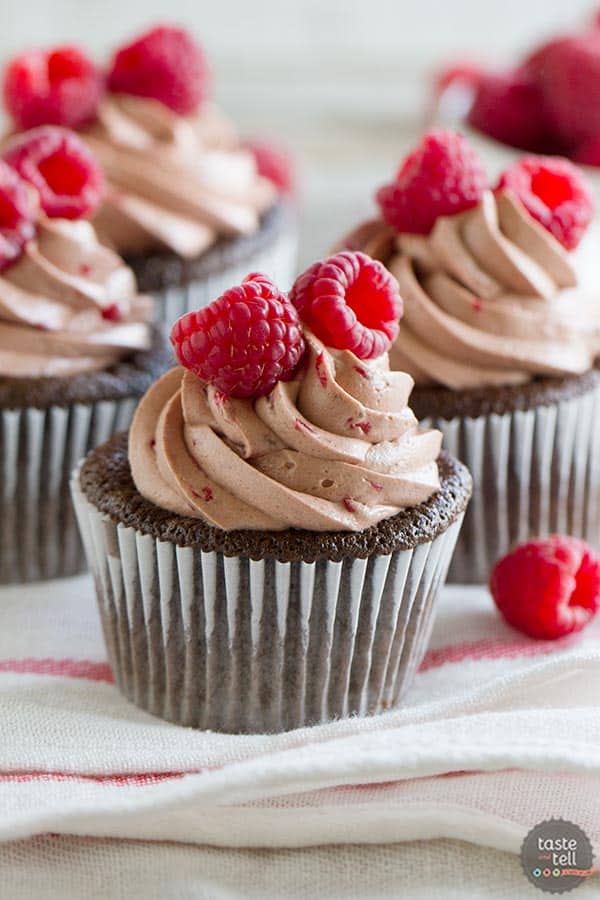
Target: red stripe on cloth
[
  {"x": 66, "y": 668},
  {"x": 492, "y": 649},
  {"x": 138, "y": 779}
]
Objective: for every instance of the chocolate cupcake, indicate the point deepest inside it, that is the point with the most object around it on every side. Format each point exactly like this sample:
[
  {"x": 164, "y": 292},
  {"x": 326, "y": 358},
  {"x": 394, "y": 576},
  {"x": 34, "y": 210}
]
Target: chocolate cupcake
[
  {"x": 185, "y": 204},
  {"x": 268, "y": 545},
  {"x": 76, "y": 348},
  {"x": 500, "y": 333}
]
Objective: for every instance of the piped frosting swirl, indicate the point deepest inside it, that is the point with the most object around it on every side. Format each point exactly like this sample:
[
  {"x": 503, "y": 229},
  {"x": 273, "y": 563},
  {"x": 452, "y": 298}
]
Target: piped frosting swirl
[
  {"x": 69, "y": 305},
  {"x": 337, "y": 449},
  {"x": 490, "y": 298},
  {"x": 175, "y": 182}
]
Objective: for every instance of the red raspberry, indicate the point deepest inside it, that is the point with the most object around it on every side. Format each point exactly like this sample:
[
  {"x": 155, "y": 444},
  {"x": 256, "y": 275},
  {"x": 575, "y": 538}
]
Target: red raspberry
[
  {"x": 508, "y": 106},
  {"x": 166, "y": 64},
  {"x": 61, "y": 168},
  {"x": 442, "y": 176},
  {"x": 568, "y": 72},
  {"x": 244, "y": 342},
  {"x": 274, "y": 163},
  {"x": 351, "y": 302},
  {"x": 588, "y": 153},
  {"x": 52, "y": 87},
  {"x": 555, "y": 193},
  {"x": 548, "y": 588},
  {"x": 17, "y": 215}
]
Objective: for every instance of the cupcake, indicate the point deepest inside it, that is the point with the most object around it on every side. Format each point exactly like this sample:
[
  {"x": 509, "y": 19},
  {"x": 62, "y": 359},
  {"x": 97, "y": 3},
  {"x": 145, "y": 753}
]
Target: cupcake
[
  {"x": 500, "y": 336},
  {"x": 185, "y": 204},
  {"x": 268, "y": 542},
  {"x": 76, "y": 347}
]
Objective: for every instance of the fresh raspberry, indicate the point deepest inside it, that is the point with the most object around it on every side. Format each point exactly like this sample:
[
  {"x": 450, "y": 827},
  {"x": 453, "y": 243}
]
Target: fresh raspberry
[
  {"x": 588, "y": 153},
  {"x": 17, "y": 214},
  {"x": 61, "y": 168},
  {"x": 548, "y": 588},
  {"x": 166, "y": 64},
  {"x": 52, "y": 87},
  {"x": 442, "y": 176},
  {"x": 274, "y": 163},
  {"x": 555, "y": 193},
  {"x": 351, "y": 302},
  {"x": 244, "y": 342},
  {"x": 568, "y": 72},
  {"x": 508, "y": 106}
]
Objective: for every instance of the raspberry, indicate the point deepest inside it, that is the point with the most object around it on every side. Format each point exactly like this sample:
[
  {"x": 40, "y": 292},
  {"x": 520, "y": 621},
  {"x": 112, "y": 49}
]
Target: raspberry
[
  {"x": 351, "y": 302},
  {"x": 273, "y": 163},
  {"x": 588, "y": 153},
  {"x": 548, "y": 588},
  {"x": 508, "y": 106},
  {"x": 61, "y": 168},
  {"x": 555, "y": 193},
  {"x": 52, "y": 87},
  {"x": 17, "y": 215},
  {"x": 165, "y": 64},
  {"x": 568, "y": 72},
  {"x": 442, "y": 176},
  {"x": 244, "y": 342}
]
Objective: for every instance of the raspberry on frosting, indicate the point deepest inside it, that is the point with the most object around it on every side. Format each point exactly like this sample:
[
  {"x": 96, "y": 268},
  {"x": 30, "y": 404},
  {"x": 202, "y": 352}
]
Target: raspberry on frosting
[
  {"x": 17, "y": 216},
  {"x": 165, "y": 64},
  {"x": 244, "y": 342},
  {"x": 555, "y": 193},
  {"x": 508, "y": 106},
  {"x": 60, "y": 167},
  {"x": 351, "y": 302},
  {"x": 442, "y": 176},
  {"x": 548, "y": 588},
  {"x": 61, "y": 86}
]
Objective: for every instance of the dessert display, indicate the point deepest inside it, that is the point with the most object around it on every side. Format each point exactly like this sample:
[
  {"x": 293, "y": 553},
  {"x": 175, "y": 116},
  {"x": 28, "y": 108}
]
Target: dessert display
[
  {"x": 269, "y": 539},
  {"x": 185, "y": 204},
  {"x": 500, "y": 334},
  {"x": 76, "y": 346}
]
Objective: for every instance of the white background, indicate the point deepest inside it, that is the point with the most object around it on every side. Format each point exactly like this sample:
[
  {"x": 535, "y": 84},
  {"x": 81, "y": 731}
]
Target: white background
[{"x": 341, "y": 81}]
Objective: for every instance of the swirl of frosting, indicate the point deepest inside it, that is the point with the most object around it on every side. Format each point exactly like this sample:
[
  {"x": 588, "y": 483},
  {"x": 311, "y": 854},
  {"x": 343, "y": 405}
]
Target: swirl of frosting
[
  {"x": 174, "y": 182},
  {"x": 69, "y": 305},
  {"x": 337, "y": 449},
  {"x": 490, "y": 299}
]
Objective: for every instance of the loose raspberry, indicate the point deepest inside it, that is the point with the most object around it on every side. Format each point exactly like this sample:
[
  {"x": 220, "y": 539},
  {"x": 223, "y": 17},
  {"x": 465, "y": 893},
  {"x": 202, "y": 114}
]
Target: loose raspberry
[
  {"x": 508, "y": 106},
  {"x": 568, "y": 72},
  {"x": 555, "y": 193},
  {"x": 52, "y": 87},
  {"x": 17, "y": 215},
  {"x": 274, "y": 163},
  {"x": 165, "y": 64},
  {"x": 351, "y": 302},
  {"x": 442, "y": 176},
  {"x": 61, "y": 168},
  {"x": 548, "y": 588},
  {"x": 244, "y": 342}
]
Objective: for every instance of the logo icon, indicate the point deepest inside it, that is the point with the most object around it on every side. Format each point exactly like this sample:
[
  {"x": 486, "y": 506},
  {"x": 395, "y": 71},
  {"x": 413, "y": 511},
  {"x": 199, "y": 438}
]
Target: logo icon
[{"x": 557, "y": 856}]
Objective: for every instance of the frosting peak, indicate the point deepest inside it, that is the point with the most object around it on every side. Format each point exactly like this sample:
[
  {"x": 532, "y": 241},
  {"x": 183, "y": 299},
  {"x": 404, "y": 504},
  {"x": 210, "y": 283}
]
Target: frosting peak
[{"x": 337, "y": 449}]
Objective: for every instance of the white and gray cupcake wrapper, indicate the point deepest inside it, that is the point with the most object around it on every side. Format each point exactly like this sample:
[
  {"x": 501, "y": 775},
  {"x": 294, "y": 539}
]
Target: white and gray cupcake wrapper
[
  {"x": 241, "y": 646},
  {"x": 38, "y": 450},
  {"x": 535, "y": 473},
  {"x": 278, "y": 261}
]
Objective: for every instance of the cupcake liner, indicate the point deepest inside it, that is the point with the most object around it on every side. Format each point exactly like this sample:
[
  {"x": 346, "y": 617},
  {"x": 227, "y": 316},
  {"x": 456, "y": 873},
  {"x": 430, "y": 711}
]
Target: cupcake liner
[
  {"x": 242, "y": 646},
  {"x": 535, "y": 473},
  {"x": 38, "y": 449},
  {"x": 278, "y": 261}
]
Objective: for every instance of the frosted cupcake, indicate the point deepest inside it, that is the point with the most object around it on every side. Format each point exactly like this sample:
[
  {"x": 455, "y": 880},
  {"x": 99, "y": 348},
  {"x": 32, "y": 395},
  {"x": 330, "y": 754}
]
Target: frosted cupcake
[
  {"x": 185, "y": 203},
  {"x": 268, "y": 544},
  {"x": 500, "y": 337},
  {"x": 76, "y": 347}
]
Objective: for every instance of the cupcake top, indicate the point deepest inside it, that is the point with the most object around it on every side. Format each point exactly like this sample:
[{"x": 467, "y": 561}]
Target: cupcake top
[
  {"x": 284, "y": 413},
  {"x": 177, "y": 176},
  {"x": 489, "y": 278},
  {"x": 67, "y": 304}
]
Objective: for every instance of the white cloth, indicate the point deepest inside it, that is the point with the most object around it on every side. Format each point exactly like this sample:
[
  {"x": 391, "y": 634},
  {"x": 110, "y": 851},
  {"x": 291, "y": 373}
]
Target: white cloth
[{"x": 497, "y": 734}]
